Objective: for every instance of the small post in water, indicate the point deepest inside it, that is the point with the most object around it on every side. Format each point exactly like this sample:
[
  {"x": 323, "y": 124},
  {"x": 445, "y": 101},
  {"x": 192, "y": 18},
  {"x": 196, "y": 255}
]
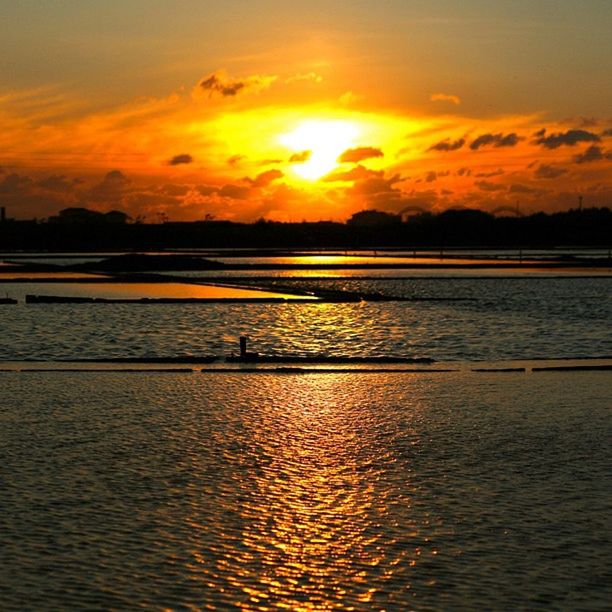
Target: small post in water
[{"x": 243, "y": 346}]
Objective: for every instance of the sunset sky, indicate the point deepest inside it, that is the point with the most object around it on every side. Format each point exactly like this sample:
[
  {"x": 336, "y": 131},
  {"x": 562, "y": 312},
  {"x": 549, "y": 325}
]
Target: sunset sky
[{"x": 311, "y": 110}]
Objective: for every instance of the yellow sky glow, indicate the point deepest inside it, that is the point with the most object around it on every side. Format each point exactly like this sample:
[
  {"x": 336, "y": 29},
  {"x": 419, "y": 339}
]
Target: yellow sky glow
[{"x": 324, "y": 140}]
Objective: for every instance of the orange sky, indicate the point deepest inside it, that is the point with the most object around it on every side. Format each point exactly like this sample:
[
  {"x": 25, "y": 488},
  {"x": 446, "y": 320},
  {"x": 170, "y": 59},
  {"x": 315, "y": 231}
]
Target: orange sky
[{"x": 308, "y": 114}]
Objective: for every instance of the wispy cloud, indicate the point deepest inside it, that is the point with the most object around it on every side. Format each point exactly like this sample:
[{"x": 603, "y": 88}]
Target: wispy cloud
[
  {"x": 304, "y": 76},
  {"x": 443, "y": 97},
  {"x": 548, "y": 171},
  {"x": 221, "y": 83}
]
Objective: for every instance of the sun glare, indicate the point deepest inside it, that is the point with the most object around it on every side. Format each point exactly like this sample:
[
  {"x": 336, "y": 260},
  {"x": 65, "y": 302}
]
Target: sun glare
[{"x": 321, "y": 142}]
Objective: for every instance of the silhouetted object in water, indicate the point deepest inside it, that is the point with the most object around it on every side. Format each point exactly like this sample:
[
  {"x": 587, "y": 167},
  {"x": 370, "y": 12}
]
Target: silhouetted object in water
[{"x": 244, "y": 354}]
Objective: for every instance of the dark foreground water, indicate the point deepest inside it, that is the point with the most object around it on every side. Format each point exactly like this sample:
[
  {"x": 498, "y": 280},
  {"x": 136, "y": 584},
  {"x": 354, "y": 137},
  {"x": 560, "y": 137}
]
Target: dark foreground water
[{"x": 299, "y": 492}]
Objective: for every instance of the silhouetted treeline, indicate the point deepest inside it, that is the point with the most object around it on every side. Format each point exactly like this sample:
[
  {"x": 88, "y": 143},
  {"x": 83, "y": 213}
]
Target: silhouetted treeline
[{"x": 453, "y": 228}]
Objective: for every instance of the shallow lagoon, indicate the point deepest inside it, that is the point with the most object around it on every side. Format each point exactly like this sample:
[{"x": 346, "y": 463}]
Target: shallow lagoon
[
  {"x": 396, "y": 491},
  {"x": 446, "y": 490}
]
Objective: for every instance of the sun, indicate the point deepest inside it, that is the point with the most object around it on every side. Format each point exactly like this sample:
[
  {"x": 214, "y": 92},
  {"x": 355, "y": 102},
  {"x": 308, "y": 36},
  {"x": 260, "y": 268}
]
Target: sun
[{"x": 321, "y": 142}]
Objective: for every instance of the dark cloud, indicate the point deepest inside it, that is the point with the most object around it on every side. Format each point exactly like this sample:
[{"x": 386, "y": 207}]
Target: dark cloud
[
  {"x": 569, "y": 138},
  {"x": 497, "y": 172},
  {"x": 111, "y": 189},
  {"x": 464, "y": 172},
  {"x": 495, "y": 140},
  {"x": 14, "y": 184},
  {"x": 234, "y": 160},
  {"x": 357, "y": 173},
  {"x": 183, "y": 158},
  {"x": 265, "y": 178},
  {"x": 220, "y": 83},
  {"x": 116, "y": 176},
  {"x": 592, "y": 154},
  {"x": 172, "y": 189},
  {"x": 432, "y": 176},
  {"x": 547, "y": 171},
  {"x": 377, "y": 185},
  {"x": 234, "y": 192},
  {"x": 206, "y": 190},
  {"x": 359, "y": 154},
  {"x": 448, "y": 145},
  {"x": 605, "y": 134},
  {"x": 488, "y": 186},
  {"x": 519, "y": 188},
  {"x": 56, "y": 183},
  {"x": 301, "y": 157}
]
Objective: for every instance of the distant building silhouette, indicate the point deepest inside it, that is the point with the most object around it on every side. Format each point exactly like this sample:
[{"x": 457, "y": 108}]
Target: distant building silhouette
[
  {"x": 81, "y": 216},
  {"x": 374, "y": 218}
]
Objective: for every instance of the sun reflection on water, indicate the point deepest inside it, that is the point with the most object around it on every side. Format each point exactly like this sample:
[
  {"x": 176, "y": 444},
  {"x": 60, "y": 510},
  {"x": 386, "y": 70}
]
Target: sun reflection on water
[{"x": 308, "y": 517}]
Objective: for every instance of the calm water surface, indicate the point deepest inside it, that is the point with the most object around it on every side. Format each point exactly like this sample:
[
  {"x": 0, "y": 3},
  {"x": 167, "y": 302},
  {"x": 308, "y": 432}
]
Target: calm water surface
[{"x": 338, "y": 491}]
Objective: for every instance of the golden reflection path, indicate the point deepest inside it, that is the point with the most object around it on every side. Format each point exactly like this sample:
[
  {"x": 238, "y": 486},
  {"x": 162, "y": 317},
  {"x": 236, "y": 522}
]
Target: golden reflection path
[{"x": 315, "y": 517}]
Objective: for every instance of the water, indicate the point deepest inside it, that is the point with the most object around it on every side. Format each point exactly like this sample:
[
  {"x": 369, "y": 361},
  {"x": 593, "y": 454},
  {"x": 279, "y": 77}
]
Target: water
[
  {"x": 266, "y": 491},
  {"x": 504, "y": 318},
  {"x": 337, "y": 491}
]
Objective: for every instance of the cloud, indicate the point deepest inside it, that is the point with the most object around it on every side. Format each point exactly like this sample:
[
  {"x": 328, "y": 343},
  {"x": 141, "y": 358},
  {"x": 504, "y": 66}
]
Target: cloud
[
  {"x": 183, "y": 158},
  {"x": 447, "y": 145},
  {"x": 606, "y": 133},
  {"x": 112, "y": 188},
  {"x": 378, "y": 185},
  {"x": 206, "y": 190},
  {"x": 221, "y": 83},
  {"x": 301, "y": 157},
  {"x": 304, "y": 76},
  {"x": 442, "y": 97},
  {"x": 592, "y": 154},
  {"x": 235, "y": 160},
  {"x": 359, "y": 154},
  {"x": 547, "y": 171},
  {"x": 14, "y": 184},
  {"x": 497, "y": 172},
  {"x": 569, "y": 138},
  {"x": 234, "y": 192},
  {"x": 519, "y": 188},
  {"x": 464, "y": 172},
  {"x": 488, "y": 186},
  {"x": 172, "y": 189},
  {"x": 432, "y": 176},
  {"x": 357, "y": 173},
  {"x": 495, "y": 140},
  {"x": 265, "y": 178},
  {"x": 56, "y": 183}
]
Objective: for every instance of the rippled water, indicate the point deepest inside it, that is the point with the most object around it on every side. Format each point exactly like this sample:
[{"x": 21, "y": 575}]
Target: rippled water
[
  {"x": 397, "y": 492},
  {"x": 504, "y": 318}
]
